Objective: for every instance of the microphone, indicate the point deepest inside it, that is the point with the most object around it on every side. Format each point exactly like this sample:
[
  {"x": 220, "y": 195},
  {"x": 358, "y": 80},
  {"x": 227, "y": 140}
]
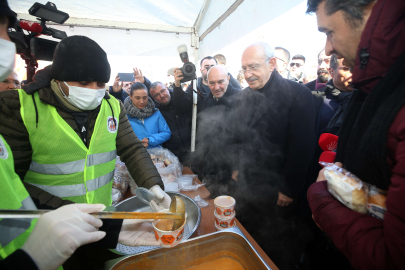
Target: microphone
[
  {"x": 327, "y": 157},
  {"x": 31, "y": 26},
  {"x": 328, "y": 142}
]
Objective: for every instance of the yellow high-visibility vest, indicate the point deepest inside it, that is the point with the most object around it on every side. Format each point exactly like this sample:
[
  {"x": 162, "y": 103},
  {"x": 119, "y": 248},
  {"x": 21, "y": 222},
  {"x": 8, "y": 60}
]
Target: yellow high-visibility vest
[
  {"x": 13, "y": 232},
  {"x": 61, "y": 163}
]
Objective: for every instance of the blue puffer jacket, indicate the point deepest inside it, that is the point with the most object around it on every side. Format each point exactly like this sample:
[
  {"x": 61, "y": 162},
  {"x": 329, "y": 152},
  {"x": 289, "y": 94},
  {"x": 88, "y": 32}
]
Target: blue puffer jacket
[{"x": 154, "y": 128}]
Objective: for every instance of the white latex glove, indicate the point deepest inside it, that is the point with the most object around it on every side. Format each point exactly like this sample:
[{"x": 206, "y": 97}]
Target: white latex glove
[
  {"x": 59, "y": 233},
  {"x": 164, "y": 199},
  {"x": 137, "y": 232}
]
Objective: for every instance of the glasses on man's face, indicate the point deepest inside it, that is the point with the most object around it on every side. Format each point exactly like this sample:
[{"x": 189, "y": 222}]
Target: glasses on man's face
[
  {"x": 252, "y": 68},
  {"x": 161, "y": 92},
  {"x": 279, "y": 58},
  {"x": 14, "y": 82},
  {"x": 296, "y": 64}
]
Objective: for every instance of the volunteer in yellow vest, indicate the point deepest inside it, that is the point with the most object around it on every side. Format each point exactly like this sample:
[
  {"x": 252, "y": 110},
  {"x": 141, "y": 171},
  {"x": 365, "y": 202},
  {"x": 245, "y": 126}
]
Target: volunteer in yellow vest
[
  {"x": 56, "y": 235},
  {"x": 43, "y": 243},
  {"x": 65, "y": 130}
]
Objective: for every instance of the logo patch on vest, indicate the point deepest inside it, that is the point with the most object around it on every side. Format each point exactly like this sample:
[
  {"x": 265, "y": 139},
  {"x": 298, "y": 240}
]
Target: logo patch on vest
[
  {"x": 3, "y": 150},
  {"x": 111, "y": 125}
]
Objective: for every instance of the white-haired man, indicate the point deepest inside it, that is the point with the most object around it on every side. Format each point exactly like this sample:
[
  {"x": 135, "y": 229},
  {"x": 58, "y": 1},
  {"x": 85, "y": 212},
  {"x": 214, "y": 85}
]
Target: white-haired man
[{"x": 273, "y": 124}]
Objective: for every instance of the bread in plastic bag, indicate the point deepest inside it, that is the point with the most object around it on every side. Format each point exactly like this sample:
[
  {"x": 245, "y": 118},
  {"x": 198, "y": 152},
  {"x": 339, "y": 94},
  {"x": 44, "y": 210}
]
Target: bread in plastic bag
[
  {"x": 376, "y": 201},
  {"x": 346, "y": 188},
  {"x": 116, "y": 196},
  {"x": 167, "y": 164},
  {"x": 120, "y": 180}
]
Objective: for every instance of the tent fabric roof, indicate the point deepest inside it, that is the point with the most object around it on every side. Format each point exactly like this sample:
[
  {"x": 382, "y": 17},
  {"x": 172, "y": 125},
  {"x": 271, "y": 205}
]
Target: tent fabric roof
[{"x": 160, "y": 12}]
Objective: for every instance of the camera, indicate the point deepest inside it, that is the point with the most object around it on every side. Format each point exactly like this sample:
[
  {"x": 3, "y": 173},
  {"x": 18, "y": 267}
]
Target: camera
[
  {"x": 188, "y": 68},
  {"x": 30, "y": 46}
]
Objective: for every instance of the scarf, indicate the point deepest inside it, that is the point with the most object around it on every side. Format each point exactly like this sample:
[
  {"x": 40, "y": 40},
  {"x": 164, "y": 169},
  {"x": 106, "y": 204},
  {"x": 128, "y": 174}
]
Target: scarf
[
  {"x": 336, "y": 121},
  {"x": 58, "y": 92},
  {"x": 134, "y": 112},
  {"x": 362, "y": 146}
]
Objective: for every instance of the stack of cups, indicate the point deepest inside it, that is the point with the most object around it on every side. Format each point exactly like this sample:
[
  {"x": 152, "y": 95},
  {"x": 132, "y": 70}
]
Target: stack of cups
[{"x": 224, "y": 212}]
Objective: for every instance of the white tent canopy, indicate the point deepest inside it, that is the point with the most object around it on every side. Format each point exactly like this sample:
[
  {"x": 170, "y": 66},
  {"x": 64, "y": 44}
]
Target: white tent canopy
[{"x": 145, "y": 34}]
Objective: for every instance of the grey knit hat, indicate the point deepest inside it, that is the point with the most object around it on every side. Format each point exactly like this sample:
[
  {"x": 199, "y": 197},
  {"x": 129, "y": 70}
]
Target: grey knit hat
[{"x": 79, "y": 58}]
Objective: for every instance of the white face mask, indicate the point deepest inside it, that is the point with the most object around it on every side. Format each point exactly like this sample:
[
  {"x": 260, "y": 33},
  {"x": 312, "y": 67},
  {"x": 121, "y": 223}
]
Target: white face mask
[
  {"x": 84, "y": 98},
  {"x": 7, "y": 58}
]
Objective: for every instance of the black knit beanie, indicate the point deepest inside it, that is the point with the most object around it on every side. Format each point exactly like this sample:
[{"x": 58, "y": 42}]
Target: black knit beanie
[
  {"x": 79, "y": 58},
  {"x": 6, "y": 11}
]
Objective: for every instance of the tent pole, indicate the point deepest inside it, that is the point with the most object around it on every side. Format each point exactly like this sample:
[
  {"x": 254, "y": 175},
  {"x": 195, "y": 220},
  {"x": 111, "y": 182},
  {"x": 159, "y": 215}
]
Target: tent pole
[{"x": 194, "y": 120}]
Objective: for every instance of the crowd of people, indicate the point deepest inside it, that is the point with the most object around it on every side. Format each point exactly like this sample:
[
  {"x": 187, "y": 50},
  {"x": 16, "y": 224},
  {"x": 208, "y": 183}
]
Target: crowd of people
[{"x": 256, "y": 140}]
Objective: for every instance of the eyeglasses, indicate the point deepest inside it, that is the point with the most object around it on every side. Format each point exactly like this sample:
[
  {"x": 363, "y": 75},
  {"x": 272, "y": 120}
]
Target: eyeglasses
[
  {"x": 160, "y": 93},
  {"x": 15, "y": 82},
  {"x": 279, "y": 59},
  {"x": 251, "y": 68},
  {"x": 297, "y": 64}
]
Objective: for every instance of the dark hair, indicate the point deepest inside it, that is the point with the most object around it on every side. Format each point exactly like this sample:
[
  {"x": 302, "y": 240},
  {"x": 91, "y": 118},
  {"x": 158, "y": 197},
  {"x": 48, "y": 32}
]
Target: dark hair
[
  {"x": 334, "y": 62},
  {"x": 155, "y": 84},
  {"x": 353, "y": 9},
  {"x": 137, "y": 86},
  {"x": 220, "y": 59},
  {"x": 299, "y": 56},
  {"x": 285, "y": 54},
  {"x": 208, "y": 57},
  {"x": 3, "y": 19}
]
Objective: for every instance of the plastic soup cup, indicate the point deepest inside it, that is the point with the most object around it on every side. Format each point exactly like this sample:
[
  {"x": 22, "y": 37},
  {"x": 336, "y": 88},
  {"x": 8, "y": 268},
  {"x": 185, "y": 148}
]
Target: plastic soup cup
[
  {"x": 166, "y": 237},
  {"x": 224, "y": 206}
]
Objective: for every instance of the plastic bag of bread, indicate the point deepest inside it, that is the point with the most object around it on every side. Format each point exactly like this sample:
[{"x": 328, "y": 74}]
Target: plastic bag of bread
[
  {"x": 167, "y": 164},
  {"x": 120, "y": 180},
  {"x": 376, "y": 201},
  {"x": 346, "y": 188}
]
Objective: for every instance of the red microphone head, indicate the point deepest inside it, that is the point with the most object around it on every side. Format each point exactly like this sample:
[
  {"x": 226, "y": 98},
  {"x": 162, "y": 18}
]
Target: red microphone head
[
  {"x": 328, "y": 142},
  {"x": 31, "y": 26},
  {"x": 327, "y": 157}
]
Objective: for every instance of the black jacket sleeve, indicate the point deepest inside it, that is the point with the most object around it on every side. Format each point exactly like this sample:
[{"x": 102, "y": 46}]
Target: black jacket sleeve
[
  {"x": 120, "y": 95},
  {"x": 147, "y": 83},
  {"x": 235, "y": 84},
  {"x": 300, "y": 146},
  {"x": 183, "y": 100},
  {"x": 18, "y": 260}
]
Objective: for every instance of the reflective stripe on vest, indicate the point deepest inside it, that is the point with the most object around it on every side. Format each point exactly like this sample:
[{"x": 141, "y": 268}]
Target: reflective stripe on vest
[
  {"x": 13, "y": 232},
  {"x": 73, "y": 166},
  {"x": 12, "y": 228},
  {"x": 61, "y": 164}
]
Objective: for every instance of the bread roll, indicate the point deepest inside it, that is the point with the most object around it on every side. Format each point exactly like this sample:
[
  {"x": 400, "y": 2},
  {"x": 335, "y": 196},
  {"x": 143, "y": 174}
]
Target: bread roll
[
  {"x": 376, "y": 202},
  {"x": 347, "y": 190}
]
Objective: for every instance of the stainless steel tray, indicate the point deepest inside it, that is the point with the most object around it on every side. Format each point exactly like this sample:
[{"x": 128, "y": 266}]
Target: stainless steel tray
[
  {"x": 230, "y": 243},
  {"x": 134, "y": 204}
]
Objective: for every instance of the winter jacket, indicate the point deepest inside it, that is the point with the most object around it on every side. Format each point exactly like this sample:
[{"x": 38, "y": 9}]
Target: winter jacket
[
  {"x": 154, "y": 128},
  {"x": 274, "y": 129},
  {"x": 370, "y": 243},
  {"x": 311, "y": 85},
  {"x": 202, "y": 88},
  {"x": 120, "y": 95},
  {"x": 178, "y": 117},
  {"x": 234, "y": 83},
  {"x": 14, "y": 131}
]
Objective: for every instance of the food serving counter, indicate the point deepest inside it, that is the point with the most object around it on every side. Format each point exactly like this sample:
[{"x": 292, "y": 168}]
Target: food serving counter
[{"x": 207, "y": 222}]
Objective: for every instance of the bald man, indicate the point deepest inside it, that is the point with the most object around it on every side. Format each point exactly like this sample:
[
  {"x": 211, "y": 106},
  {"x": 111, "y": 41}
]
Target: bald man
[
  {"x": 221, "y": 89},
  {"x": 11, "y": 82}
]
